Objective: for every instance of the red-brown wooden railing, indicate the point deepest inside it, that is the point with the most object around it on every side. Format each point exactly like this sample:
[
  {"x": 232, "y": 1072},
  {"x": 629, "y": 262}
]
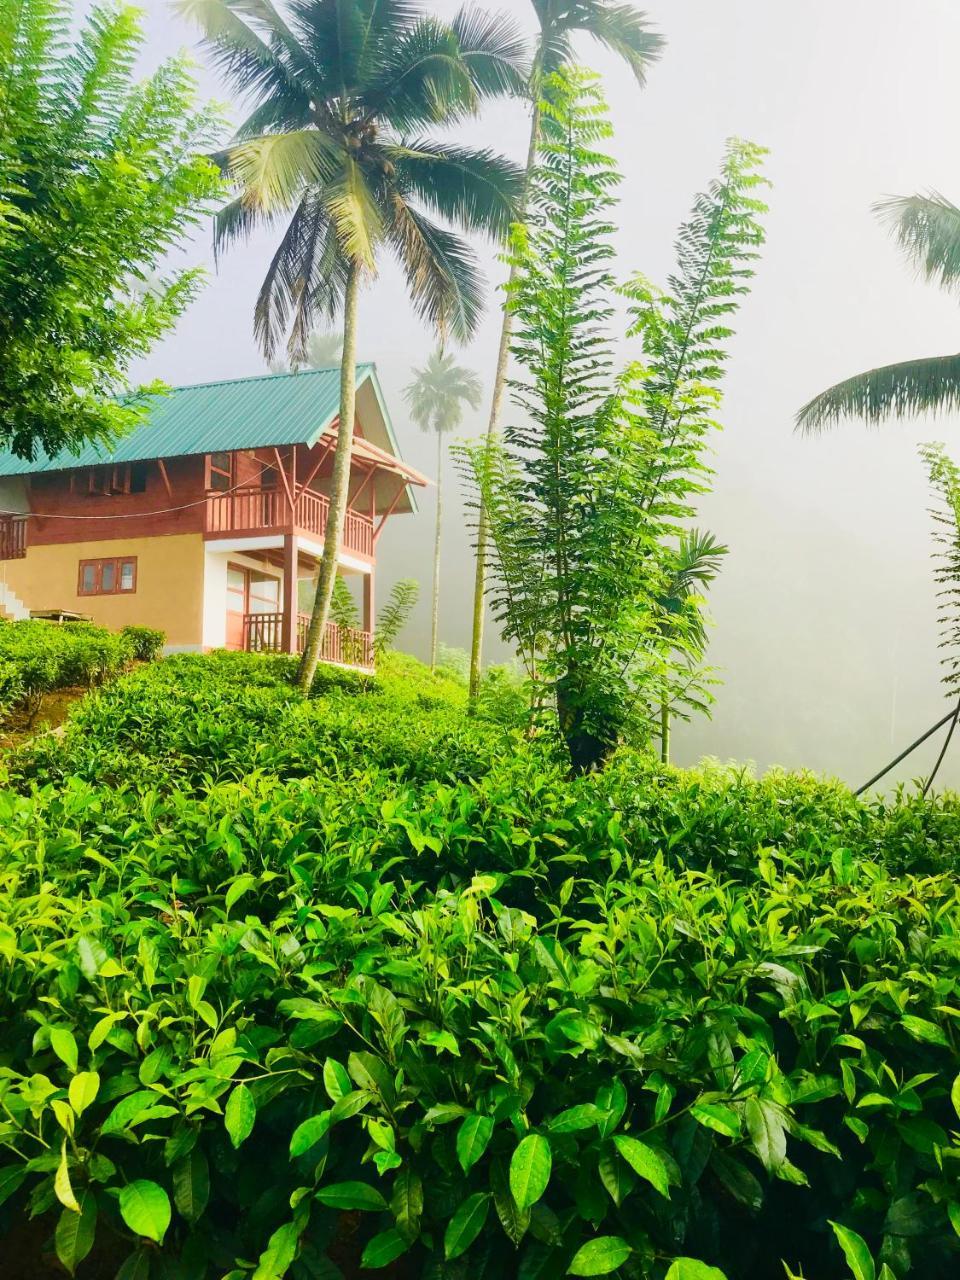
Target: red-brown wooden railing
[
  {"x": 13, "y": 537},
  {"x": 263, "y": 633},
  {"x": 251, "y": 508}
]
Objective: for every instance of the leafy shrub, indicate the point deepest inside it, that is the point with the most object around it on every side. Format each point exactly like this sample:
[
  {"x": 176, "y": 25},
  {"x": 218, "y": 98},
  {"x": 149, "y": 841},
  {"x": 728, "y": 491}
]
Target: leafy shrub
[
  {"x": 146, "y": 643},
  {"x": 38, "y": 657},
  {"x": 293, "y": 985}
]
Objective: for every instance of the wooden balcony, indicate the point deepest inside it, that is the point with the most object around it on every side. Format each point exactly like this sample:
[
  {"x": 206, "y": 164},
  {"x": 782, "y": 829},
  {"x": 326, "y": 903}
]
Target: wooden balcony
[
  {"x": 13, "y": 537},
  {"x": 262, "y": 633},
  {"x": 251, "y": 511}
]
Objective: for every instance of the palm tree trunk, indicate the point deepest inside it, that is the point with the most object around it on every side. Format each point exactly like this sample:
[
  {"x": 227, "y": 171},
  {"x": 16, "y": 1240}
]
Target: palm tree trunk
[
  {"x": 496, "y": 409},
  {"x": 435, "y": 630},
  {"x": 665, "y": 733},
  {"x": 340, "y": 491}
]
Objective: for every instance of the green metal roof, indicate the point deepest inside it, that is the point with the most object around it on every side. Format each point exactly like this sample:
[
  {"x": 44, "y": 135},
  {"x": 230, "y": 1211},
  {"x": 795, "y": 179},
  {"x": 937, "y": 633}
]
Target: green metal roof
[{"x": 244, "y": 413}]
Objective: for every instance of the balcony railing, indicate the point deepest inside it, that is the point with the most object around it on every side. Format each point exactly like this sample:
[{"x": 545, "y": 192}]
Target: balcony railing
[
  {"x": 13, "y": 537},
  {"x": 255, "y": 510},
  {"x": 263, "y": 633}
]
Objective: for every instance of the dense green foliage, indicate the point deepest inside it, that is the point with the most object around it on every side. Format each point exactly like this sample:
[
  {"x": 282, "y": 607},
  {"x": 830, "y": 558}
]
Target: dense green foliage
[
  {"x": 598, "y": 469},
  {"x": 289, "y": 983},
  {"x": 99, "y": 177},
  {"x": 38, "y": 657}
]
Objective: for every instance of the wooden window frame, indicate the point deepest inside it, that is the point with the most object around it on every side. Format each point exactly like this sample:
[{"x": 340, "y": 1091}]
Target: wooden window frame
[
  {"x": 117, "y": 590},
  {"x": 212, "y": 470},
  {"x": 116, "y": 480}
]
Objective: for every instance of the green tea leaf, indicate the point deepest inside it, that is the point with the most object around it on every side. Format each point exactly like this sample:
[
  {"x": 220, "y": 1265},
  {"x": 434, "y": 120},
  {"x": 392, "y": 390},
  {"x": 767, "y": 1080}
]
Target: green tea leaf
[
  {"x": 74, "y": 1236},
  {"x": 856, "y": 1252},
  {"x": 384, "y": 1249},
  {"x": 530, "y": 1169},
  {"x": 599, "y": 1257},
  {"x": 692, "y": 1269},
  {"x": 465, "y": 1225},
  {"x": 281, "y": 1250},
  {"x": 64, "y": 1045},
  {"x": 719, "y": 1118},
  {"x": 61, "y": 1183},
  {"x": 309, "y": 1133},
  {"x": 191, "y": 1185},
  {"x": 924, "y": 1031},
  {"x": 352, "y": 1195},
  {"x": 473, "y": 1138},
  {"x": 406, "y": 1203},
  {"x": 145, "y": 1208},
  {"x": 11, "y": 1178},
  {"x": 644, "y": 1161},
  {"x": 336, "y": 1081},
  {"x": 240, "y": 1114},
  {"x": 83, "y": 1090}
]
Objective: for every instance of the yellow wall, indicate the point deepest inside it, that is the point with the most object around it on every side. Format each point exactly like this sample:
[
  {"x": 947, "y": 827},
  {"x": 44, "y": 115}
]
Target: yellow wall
[{"x": 169, "y": 594}]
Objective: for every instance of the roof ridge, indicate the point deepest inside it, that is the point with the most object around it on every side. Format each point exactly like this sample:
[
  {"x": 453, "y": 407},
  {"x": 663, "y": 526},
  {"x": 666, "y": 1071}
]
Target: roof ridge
[{"x": 266, "y": 377}]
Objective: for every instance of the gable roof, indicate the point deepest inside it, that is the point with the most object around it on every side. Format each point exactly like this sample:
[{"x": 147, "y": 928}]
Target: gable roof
[{"x": 272, "y": 410}]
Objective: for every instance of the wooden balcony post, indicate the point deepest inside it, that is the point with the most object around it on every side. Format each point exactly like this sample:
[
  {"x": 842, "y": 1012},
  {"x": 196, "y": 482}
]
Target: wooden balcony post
[
  {"x": 288, "y": 628},
  {"x": 368, "y": 603}
]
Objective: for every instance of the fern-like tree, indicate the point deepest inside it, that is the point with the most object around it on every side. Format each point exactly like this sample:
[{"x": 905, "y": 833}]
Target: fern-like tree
[
  {"x": 335, "y": 146},
  {"x": 597, "y": 472},
  {"x": 100, "y": 176},
  {"x": 624, "y": 30},
  {"x": 437, "y": 398},
  {"x": 698, "y": 559},
  {"x": 927, "y": 229}
]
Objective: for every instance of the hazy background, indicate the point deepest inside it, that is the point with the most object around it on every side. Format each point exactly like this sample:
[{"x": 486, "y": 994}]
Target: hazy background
[{"x": 825, "y": 613}]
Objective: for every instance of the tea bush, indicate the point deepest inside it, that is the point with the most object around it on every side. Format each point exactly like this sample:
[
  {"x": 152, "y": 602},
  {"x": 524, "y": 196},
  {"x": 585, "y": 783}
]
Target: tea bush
[
  {"x": 146, "y": 643},
  {"x": 313, "y": 988},
  {"x": 37, "y": 657}
]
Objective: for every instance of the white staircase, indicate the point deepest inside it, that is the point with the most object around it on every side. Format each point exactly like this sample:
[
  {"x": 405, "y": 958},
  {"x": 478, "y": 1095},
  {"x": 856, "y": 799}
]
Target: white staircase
[{"x": 11, "y": 605}]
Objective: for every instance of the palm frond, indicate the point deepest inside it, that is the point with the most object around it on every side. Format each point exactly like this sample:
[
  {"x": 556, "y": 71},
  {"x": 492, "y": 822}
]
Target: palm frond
[
  {"x": 445, "y": 284},
  {"x": 494, "y": 51},
  {"x": 354, "y": 209},
  {"x": 623, "y": 29},
  {"x": 902, "y": 390},
  {"x": 274, "y": 169},
  {"x": 927, "y": 229},
  {"x": 475, "y": 189}
]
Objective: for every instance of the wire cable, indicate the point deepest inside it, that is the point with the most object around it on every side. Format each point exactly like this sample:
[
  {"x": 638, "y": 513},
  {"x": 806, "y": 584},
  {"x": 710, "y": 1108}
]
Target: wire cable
[
  {"x": 942, "y": 755},
  {"x": 951, "y": 715}
]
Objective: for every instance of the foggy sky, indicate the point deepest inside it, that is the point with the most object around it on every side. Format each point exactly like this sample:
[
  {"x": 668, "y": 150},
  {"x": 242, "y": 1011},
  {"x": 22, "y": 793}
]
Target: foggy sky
[{"x": 825, "y": 629}]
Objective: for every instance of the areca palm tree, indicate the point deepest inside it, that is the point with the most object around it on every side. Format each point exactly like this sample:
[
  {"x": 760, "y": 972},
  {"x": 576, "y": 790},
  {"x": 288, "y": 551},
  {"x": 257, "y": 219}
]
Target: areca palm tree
[
  {"x": 625, "y": 31},
  {"x": 342, "y": 90},
  {"x": 927, "y": 229},
  {"x": 436, "y": 398}
]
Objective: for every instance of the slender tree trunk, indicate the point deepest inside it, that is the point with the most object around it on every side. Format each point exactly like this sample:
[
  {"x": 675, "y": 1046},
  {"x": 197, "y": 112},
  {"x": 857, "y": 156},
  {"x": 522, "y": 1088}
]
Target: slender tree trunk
[
  {"x": 340, "y": 490},
  {"x": 496, "y": 410},
  {"x": 435, "y": 630},
  {"x": 664, "y": 733}
]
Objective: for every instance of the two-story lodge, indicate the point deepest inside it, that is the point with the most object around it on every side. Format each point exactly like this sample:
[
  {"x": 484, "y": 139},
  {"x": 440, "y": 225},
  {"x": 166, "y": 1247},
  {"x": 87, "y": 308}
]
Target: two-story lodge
[{"x": 204, "y": 520}]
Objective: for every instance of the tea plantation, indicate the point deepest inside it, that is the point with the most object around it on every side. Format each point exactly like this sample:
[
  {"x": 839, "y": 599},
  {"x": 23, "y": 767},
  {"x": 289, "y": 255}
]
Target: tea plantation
[{"x": 310, "y": 989}]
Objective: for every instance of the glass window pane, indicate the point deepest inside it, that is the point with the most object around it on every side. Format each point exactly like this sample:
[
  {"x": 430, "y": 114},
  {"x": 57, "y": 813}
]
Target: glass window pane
[
  {"x": 108, "y": 575},
  {"x": 88, "y": 579},
  {"x": 126, "y": 575}
]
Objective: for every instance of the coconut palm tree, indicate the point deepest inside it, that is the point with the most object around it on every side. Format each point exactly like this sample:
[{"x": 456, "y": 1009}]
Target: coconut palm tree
[
  {"x": 334, "y": 147},
  {"x": 698, "y": 561},
  {"x": 927, "y": 229},
  {"x": 436, "y": 398},
  {"x": 624, "y": 30},
  {"x": 323, "y": 348}
]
